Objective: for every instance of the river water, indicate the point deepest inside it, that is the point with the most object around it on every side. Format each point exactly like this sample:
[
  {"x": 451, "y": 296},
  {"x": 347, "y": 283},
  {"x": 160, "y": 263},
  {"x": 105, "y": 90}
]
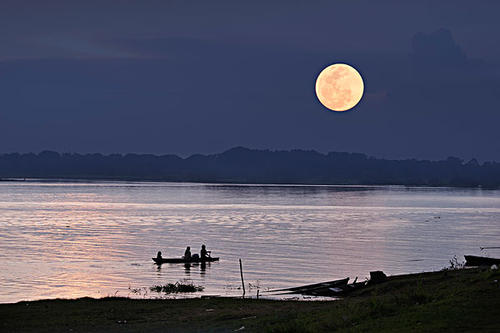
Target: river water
[{"x": 75, "y": 239}]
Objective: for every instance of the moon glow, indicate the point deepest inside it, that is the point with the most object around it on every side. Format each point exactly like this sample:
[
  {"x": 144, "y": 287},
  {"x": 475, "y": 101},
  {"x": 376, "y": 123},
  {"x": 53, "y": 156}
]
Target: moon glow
[{"x": 339, "y": 87}]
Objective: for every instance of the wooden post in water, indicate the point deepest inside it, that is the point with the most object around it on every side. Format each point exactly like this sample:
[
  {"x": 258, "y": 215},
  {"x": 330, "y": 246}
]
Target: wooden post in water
[{"x": 242, "y": 281}]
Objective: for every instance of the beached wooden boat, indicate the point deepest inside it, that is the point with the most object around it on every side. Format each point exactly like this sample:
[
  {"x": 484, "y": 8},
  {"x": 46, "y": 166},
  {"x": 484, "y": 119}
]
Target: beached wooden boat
[
  {"x": 309, "y": 288},
  {"x": 480, "y": 261},
  {"x": 341, "y": 290},
  {"x": 333, "y": 288},
  {"x": 183, "y": 261}
]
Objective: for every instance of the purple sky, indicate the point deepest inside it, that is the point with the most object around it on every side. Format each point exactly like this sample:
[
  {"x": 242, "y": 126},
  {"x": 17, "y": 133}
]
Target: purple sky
[{"x": 203, "y": 76}]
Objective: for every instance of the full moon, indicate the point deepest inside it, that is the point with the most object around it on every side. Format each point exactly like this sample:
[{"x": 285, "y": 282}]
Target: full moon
[{"x": 339, "y": 87}]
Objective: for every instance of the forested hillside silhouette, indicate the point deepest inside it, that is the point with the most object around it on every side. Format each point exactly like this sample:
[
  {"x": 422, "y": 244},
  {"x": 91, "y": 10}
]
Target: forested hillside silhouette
[{"x": 242, "y": 165}]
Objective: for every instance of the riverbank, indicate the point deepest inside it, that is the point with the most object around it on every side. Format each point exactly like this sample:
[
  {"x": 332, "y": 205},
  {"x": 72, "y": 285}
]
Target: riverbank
[
  {"x": 267, "y": 167},
  {"x": 465, "y": 300}
]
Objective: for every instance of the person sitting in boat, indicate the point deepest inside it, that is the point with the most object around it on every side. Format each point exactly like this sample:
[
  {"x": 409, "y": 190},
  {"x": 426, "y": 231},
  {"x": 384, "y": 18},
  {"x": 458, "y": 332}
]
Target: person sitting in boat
[
  {"x": 187, "y": 253},
  {"x": 158, "y": 255},
  {"x": 204, "y": 254}
]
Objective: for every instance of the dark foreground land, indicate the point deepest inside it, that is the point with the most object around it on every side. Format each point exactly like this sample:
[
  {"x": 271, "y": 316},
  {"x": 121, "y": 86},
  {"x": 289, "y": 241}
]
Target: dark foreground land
[{"x": 459, "y": 300}]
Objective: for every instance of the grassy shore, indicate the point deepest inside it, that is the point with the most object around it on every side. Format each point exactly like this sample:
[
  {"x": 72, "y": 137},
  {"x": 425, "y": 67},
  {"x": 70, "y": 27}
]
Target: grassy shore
[{"x": 458, "y": 300}]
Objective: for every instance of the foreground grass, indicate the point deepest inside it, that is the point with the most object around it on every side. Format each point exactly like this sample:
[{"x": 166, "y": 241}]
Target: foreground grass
[{"x": 462, "y": 300}]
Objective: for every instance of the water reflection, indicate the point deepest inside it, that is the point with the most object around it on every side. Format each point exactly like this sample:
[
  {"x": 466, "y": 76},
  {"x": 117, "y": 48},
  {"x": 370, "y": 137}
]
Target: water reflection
[
  {"x": 200, "y": 267},
  {"x": 203, "y": 267},
  {"x": 275, "y": 192}
]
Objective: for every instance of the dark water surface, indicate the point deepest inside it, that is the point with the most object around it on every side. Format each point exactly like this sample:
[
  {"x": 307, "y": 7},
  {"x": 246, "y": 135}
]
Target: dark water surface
[{"x": 97, "y": 238}]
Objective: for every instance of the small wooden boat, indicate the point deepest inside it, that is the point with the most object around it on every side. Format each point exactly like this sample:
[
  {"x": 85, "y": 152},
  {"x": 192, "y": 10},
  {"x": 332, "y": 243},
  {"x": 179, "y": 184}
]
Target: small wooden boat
[
  {"x": 160, "y": 261},
  {"x": 480, "y": 261}
]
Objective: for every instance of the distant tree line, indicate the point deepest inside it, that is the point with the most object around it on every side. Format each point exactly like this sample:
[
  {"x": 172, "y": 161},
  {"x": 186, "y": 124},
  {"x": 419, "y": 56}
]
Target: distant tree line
[{"x": 242, "y": 165}]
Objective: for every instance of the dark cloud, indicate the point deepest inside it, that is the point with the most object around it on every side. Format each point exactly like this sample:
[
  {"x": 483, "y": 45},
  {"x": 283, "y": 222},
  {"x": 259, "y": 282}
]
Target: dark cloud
[
  {"x": 446, "y": 103},
  {"x": 437, "y": 49}
]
